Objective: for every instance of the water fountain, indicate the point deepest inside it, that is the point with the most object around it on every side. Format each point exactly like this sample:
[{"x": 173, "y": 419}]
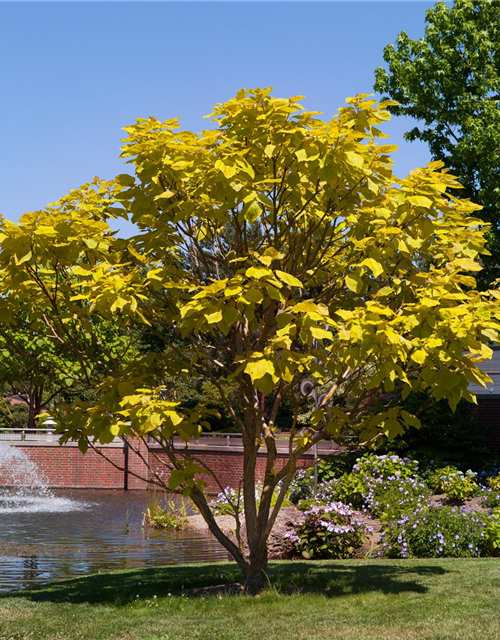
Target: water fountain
[
  {"x": 49, "y": 535},
  {"x": 23, "y": 487}
]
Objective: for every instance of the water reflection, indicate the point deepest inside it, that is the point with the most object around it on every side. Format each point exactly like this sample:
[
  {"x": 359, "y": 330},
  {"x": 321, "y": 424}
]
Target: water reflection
[{"x": 102, "y": 534}]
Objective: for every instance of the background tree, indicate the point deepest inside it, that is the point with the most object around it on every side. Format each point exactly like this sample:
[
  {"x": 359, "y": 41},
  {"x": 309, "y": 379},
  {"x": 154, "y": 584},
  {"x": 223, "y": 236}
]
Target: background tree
[
  {"x": 449, "y": 81},
  {"x": 32, "y": 370},
  {"x": 278, "y": 246},
  {"x": 39, "y": 369},
  {"x": 46, "y": 356}
]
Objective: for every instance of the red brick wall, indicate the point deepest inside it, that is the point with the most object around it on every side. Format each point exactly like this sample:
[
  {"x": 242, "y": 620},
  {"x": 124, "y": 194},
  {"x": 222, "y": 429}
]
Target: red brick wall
[
  {"x": 67, "y": 467},
  {"x": 227, "y": 465}
]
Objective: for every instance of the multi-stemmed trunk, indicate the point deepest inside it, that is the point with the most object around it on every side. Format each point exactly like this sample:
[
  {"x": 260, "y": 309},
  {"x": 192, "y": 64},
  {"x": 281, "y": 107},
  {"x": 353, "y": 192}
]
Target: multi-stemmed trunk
[{"x": 251, "y": 551}]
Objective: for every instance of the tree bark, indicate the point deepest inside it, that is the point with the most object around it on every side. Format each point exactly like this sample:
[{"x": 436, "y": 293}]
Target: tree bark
[{"x": 255, "y": 573}]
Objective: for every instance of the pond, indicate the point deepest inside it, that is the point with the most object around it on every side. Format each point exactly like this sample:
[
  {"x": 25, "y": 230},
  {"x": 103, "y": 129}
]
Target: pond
[{"x": 77, "y": 532}]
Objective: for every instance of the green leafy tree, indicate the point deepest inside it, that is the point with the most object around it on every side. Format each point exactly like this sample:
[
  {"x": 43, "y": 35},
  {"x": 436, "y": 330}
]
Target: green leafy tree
[
  {"x": 39, "y": 368},
  {"x": 449, "y": 81},
  {"x": 46, "y": 356},
  {"x": 278, "y": 246},
  {"x": 33, "y": 366}
]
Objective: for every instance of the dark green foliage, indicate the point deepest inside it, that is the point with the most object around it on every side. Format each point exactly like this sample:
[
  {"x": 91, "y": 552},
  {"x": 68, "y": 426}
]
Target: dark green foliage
[
  {"x": 449, "y": 81},
  {"x": 13, "y": 415},
  {"x": 444, "y": 437}
]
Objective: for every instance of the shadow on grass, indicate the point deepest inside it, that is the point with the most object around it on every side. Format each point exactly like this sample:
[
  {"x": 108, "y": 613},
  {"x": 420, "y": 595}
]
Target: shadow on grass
[{"x": 332, "y": 580}]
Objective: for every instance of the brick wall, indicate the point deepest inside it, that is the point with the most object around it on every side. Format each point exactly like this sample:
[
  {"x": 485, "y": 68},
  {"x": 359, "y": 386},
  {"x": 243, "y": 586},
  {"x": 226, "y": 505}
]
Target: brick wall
[
  {"x": 227, "y": 465},
  {"x": 67, "y": 467}
]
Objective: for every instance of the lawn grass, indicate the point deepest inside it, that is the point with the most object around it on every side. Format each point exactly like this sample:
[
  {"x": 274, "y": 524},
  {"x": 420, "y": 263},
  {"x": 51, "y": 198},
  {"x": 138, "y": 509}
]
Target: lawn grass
[{"x": 351, "y": 600}]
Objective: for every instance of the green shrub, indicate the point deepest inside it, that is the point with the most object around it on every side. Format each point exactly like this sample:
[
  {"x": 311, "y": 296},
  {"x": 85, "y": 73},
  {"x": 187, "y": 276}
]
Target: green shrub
[
  {"x": 167, "y": 515},
  {"x": 329, "y": 469},
  {"x": 491, "y": 498},
  {"x": 494, "y": 483},
  {"x": 454, "y": 483},
  {"x": 349, "y": 489},
  {"x": 302, "y": 486},
  {"x": 372, "y": 466},
  {"x": 492, "y": 533},
  {"x": 436, "y": 532},
  {"x": 326, "y": 532},
  {"x": 309, "y": 503},
  {"x": 393, "y": 497}
]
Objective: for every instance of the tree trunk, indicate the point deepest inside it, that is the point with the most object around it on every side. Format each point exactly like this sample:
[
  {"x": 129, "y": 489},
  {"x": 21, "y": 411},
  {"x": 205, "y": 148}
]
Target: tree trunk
[
  {"x": 34, "y": 406},
  {"x": 255, "y": 574}
]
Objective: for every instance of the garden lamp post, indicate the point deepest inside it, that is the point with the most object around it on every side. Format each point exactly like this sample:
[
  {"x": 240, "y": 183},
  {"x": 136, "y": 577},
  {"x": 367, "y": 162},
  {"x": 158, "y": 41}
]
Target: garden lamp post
[{"x": 309, "y": 390}]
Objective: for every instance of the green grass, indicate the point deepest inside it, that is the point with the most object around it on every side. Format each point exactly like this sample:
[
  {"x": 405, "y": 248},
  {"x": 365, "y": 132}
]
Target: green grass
[{"x": 348, "y": 600}]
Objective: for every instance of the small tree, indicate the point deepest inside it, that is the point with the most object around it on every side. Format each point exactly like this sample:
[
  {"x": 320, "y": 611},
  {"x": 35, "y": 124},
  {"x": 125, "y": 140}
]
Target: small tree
[{"x": 278, "y": 246}]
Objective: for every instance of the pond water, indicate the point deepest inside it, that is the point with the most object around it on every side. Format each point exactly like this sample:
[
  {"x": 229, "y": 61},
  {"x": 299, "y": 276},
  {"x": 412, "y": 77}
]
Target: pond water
[{"x": 65, "y": 534}]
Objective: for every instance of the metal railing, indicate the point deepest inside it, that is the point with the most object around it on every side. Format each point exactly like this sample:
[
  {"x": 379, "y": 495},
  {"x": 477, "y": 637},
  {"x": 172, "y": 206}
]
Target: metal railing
[
  {"x": 229, "y": 441},
  {"x": 12, "y": 434}
]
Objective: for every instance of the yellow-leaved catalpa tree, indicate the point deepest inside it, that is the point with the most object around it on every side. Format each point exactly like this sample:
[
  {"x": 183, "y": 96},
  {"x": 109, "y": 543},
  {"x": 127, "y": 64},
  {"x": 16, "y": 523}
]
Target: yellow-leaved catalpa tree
[{"x": 274, "y": 247}]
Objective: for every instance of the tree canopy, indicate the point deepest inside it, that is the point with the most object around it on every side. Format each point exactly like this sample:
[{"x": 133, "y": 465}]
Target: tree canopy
[
  {"x": 278, "y": 246},
  {"x": 449, "y": 81}
]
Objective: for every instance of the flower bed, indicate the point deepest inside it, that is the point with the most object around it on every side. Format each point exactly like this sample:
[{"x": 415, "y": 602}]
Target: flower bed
[
  {"x": 399, "y": 499},
  {"x": 387, "y": 506}
]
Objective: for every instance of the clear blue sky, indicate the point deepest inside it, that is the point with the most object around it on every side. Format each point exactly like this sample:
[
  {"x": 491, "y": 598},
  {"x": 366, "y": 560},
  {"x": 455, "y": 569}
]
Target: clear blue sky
[{"x": 72, "y": 74}]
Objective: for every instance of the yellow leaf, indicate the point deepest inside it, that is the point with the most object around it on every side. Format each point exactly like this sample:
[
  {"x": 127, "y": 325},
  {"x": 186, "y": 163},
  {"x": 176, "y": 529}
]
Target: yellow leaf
[
  {"x": 374, "y": 266},
  {"x": 253, "y": 295},
  {"x": 214, "y": 317},
  {"x": 180, "y": 165},
  {"x": 252, "y": 211},
  {"x": 114, "y": 430},
  {"x": 165, "y": 195},
  {"x": 420, "y": 201},
  {"x": 354, "y": 159},
  {"x": 263, "y": 375},
  {"x": 387, "y": 148},
  {"x": 308, "y": 306},
  {"x": 269, "y": 150},
  {"x": 354, "y": 282},
  {"x": 258, "y": 272},
  {"x": 46, "y": 230},
  {"x": 319, "y": 333},
  {"x": 288, "y": 279},
  {"x": 410, "y": 419},
  {"x": 468, "y": 265},
  {"x": 232, "y": 290},
  {"x": 24, "y": 259},
  {"x": 274, "y": 293},
  {"x": 227, "y": 169},
  {"x": 419, "y": 356},
  {"x": 269, "y": 255},
  {"x": 258, "y": 368},
  {"x": 80, "y": 271}
]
